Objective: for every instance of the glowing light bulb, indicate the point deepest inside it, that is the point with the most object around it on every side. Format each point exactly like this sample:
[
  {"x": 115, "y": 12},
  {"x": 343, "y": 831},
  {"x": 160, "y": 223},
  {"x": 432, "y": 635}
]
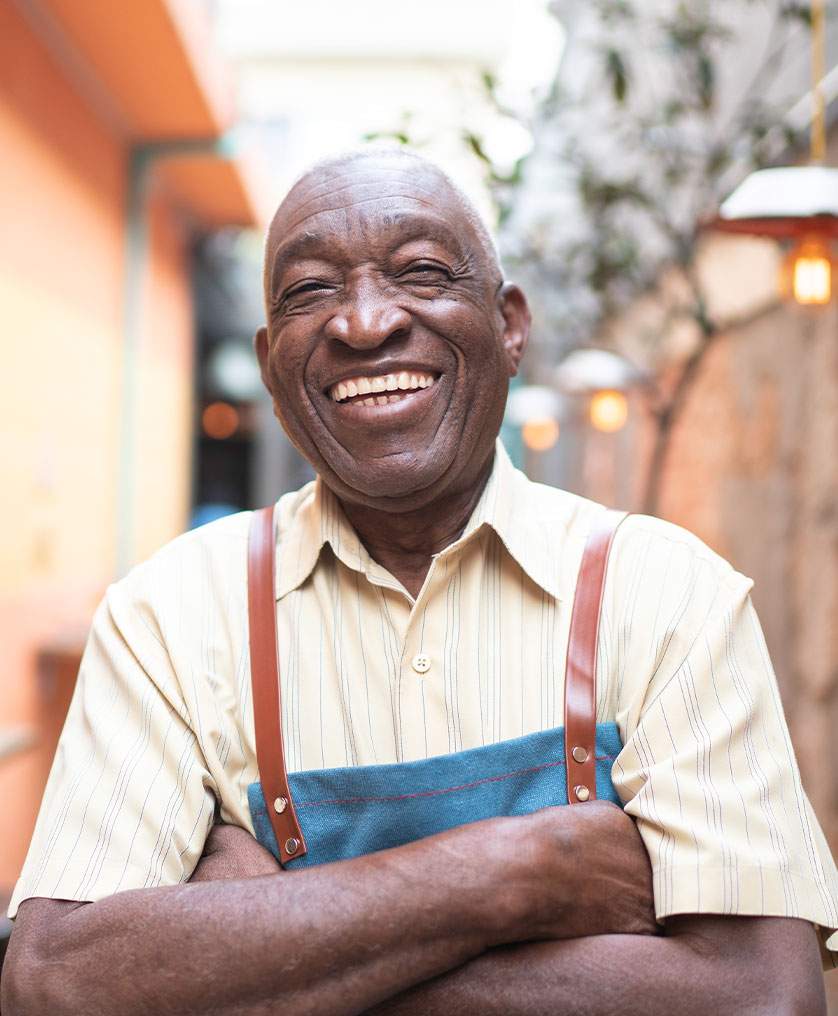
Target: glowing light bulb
[
  {"x": 811, "y": 279},
  {"x": 540, "y": 433},
  {"x": 609, "y": 410},
  {"x": 807, "y": 272}
]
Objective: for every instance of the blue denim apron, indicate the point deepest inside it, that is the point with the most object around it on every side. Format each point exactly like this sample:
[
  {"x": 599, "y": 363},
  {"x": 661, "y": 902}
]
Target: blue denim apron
[{"x": 325, "y": 815}]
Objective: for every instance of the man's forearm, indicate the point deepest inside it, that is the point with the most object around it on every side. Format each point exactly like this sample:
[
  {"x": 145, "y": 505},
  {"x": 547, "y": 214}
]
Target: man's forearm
[
  {"x": 333, "y": 939},
  {"x": 704, "y": 965}
]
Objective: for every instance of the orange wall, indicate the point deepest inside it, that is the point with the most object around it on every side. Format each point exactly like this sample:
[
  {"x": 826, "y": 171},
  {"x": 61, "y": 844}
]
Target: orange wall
[{"x": 62, "y": 199}]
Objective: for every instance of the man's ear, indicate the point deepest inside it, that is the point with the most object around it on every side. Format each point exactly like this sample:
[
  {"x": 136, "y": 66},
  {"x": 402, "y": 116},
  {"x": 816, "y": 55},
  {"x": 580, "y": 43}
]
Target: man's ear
[
  {"x": 260, "y": 345},
  {"x": 516, "y": 323}
]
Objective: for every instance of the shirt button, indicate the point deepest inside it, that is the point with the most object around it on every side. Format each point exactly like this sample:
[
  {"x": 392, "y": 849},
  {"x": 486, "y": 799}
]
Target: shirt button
[{"x": 421, "y": 663}]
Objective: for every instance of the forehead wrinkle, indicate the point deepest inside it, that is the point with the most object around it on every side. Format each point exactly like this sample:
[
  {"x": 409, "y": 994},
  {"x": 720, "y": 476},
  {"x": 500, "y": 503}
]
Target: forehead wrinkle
[
  {"x": 362, "y": 175},
  {"x": 301, "y": 212}
]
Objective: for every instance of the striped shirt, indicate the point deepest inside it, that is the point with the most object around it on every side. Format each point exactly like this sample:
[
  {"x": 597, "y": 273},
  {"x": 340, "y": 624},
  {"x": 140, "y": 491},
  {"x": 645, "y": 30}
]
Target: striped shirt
[{"x": 159, "y": 736}]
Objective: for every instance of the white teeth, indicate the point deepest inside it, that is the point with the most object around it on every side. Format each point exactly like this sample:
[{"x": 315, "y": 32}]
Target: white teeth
[
  {"x": 403, "y": 381},
  {"x": 381, "y": 400},
  {"x": 394, "y": 398}
]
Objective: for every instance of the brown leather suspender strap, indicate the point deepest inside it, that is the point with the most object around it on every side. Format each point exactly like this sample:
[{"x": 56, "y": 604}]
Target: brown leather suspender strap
[
  {"x": 264, "y": 679},
  {"x": 580, "y": 672}
]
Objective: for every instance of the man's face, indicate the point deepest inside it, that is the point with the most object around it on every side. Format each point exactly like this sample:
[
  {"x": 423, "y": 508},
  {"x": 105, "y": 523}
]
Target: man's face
[{"x": 390, "y": 340}]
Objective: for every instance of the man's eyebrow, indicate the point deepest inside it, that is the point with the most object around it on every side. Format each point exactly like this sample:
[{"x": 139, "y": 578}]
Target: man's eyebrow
[{"x": 296, "y": 248}]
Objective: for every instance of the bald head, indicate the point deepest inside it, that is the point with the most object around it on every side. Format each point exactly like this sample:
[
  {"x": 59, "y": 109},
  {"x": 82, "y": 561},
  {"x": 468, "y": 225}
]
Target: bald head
[{"x": 379, "y": 168}]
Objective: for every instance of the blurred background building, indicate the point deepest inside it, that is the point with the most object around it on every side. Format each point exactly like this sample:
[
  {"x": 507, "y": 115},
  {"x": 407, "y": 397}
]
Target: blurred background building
[
  {"x": 112, "y": 122},
  {"x": 670, "y": 370}
]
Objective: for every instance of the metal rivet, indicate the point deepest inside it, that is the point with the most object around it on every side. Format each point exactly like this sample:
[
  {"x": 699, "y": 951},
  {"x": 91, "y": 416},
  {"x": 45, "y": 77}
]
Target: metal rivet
[
  {"x": 280, "y": 804},
  {"x": 291, "y": 845},
  {"x": 421, "y": 663},
  {"x": 582, "y": 793},
  {"x": 579, "y": 754}
]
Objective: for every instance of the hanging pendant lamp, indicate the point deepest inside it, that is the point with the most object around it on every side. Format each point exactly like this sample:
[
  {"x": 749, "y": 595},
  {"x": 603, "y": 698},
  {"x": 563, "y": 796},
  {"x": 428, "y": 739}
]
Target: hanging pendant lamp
[{"x": 797, "y": 204}]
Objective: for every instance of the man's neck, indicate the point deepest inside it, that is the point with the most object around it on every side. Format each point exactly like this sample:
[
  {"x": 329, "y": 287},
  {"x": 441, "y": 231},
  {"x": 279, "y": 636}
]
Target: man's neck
[{"x": 405, "y": 542}]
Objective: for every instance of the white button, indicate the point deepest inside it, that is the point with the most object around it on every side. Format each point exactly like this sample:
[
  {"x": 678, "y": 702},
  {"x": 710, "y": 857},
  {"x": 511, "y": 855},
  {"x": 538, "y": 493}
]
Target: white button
[{"x": 421, "y": 663}]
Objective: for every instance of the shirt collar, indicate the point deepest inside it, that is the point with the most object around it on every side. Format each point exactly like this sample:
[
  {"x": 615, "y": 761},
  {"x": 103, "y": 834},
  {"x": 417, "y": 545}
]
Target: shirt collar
[
  {"x": 530, "y": 529},
  {"x": 510, "y": 504}
]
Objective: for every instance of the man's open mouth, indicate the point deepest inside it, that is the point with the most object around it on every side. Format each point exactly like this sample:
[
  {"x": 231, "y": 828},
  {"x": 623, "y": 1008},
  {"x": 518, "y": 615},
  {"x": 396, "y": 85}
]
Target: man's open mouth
[{"x": 372, "y": 391}]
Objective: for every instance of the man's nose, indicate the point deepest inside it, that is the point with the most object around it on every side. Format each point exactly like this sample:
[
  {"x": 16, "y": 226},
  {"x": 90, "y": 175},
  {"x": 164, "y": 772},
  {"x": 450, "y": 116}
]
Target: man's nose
[{"x": 369, "y": 314}]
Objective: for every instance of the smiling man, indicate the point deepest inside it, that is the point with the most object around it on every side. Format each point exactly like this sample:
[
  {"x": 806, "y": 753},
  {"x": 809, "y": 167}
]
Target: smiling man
[{"x": 423, "y": 593}]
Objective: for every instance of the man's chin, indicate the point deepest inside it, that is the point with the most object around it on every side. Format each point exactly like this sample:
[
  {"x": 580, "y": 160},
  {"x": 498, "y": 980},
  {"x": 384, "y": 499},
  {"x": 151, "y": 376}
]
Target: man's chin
[
  {"x": 395, "y": 483},
  {"x": 387, "y": 491}
]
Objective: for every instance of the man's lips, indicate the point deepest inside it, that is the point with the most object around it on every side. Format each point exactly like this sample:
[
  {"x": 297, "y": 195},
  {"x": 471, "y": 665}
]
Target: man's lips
[{"x": 379, "y": 389}]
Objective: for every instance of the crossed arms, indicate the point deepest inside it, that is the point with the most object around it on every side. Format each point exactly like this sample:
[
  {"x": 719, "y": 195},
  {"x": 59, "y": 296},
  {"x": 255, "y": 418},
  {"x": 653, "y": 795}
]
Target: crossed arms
[{"x": 546, "y": 913}]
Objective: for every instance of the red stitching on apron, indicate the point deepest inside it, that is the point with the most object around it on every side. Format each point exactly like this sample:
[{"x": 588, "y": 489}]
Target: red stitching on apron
[{"x": 432, "y": 793}]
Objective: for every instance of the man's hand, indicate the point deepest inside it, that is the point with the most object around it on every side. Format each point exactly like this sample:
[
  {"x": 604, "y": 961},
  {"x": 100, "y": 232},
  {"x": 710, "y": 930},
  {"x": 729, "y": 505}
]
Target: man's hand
[
  {"x": 589, "y": 874},
  {"x": 231, "y": 852}
]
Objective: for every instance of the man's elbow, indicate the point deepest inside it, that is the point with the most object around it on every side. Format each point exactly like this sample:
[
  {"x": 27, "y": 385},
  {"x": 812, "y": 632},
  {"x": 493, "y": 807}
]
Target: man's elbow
[
  {"x": 27, "y": 985},
  {"x": 37, "y": 978}
]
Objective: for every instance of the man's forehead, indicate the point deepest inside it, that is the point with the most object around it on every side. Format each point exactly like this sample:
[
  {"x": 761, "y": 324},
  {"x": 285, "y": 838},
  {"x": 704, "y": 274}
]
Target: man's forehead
[
  {"x": 398, "y": 224},
  {"x": 373, "y": 188}
]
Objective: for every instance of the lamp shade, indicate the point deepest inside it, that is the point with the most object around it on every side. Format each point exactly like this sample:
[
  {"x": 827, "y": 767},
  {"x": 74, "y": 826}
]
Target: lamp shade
[
  {"x": 786, "y": 202},
  {"x": 589, "y": 370},
  {"x": 527, "y": 402}
]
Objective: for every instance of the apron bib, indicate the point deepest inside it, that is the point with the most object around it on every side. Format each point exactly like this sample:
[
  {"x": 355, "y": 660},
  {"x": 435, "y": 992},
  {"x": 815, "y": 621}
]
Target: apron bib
[{"x": 325, "y": 815}]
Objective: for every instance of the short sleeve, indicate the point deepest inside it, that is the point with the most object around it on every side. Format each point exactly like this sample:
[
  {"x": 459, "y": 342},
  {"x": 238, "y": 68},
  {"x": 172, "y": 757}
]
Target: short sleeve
[
  {"x": 129, "y": 799},
  {"x": 708, "y": 769}
]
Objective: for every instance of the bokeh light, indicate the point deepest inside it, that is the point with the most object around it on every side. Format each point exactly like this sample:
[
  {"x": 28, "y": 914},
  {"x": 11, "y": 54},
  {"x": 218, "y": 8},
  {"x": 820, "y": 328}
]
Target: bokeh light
[
  {"x": 220, "y": 420},
  {"x": 609, "y": 411},
  {"x": 540, "y": 433}
]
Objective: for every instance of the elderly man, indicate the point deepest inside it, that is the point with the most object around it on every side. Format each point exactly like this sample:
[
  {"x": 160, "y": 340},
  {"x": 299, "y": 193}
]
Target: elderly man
[{"x": 423, "y": 594}]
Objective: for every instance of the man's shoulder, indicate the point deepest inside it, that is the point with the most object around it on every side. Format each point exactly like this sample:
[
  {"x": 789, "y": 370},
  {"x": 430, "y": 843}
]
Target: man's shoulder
[
  {"x": 554, "y": 509},
  {"x": 221, "y": 544},
  {"x": 213, "y": 541},
  {"x": 547, "y": 522},
  {"x": 646, "y": 536}
]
